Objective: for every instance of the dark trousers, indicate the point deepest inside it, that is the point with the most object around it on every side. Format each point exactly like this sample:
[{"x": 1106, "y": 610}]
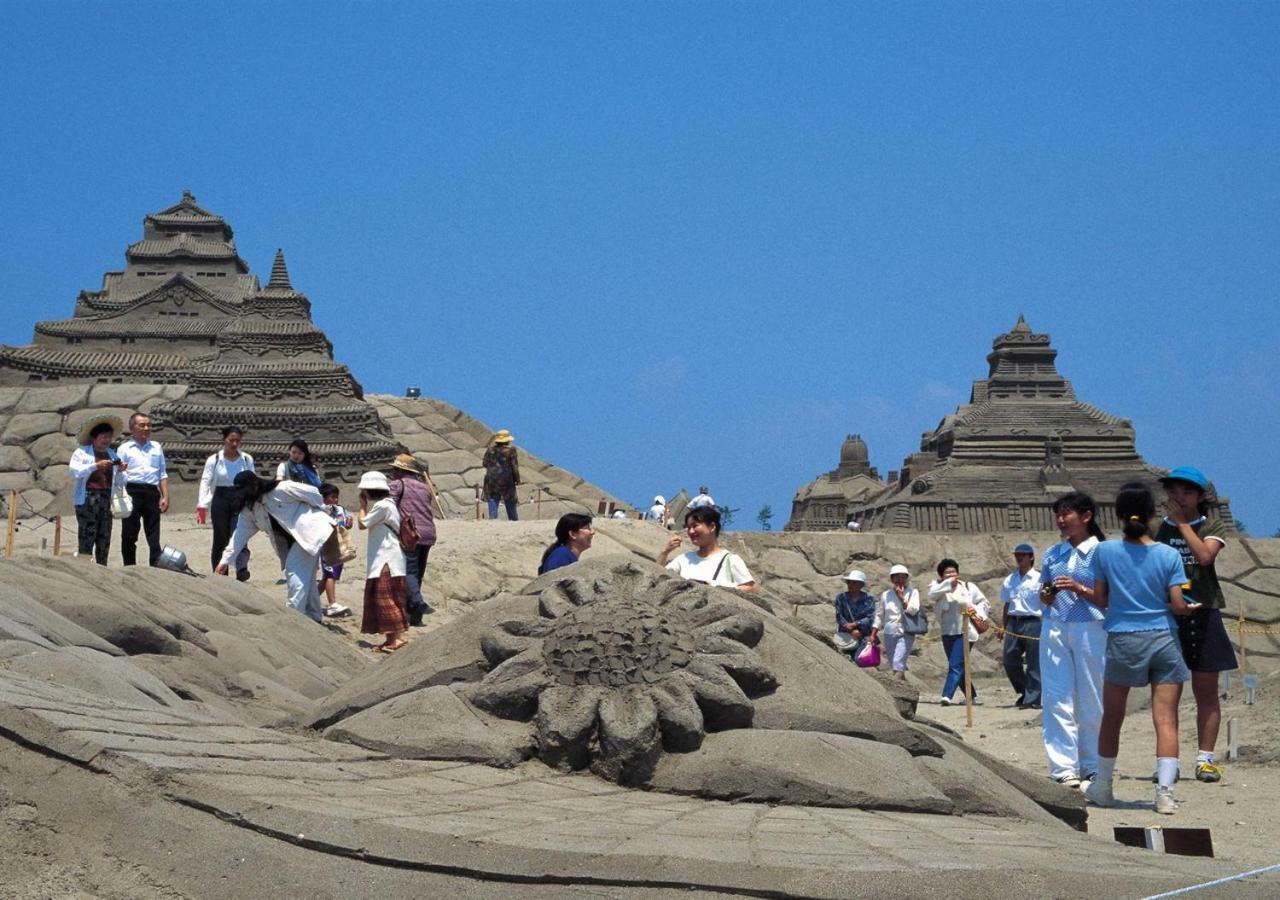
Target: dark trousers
[
  {"x": 145, "y": 515},
  {"x": 1022, "y": 658},
  {"x": 224, "y": 525},
  {"x": 415, "y": 565},
  {"x": 93, "y": 521}
]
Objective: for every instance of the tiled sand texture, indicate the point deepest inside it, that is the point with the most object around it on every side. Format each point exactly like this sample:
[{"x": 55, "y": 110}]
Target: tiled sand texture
[{"x": 531, "y": 824}]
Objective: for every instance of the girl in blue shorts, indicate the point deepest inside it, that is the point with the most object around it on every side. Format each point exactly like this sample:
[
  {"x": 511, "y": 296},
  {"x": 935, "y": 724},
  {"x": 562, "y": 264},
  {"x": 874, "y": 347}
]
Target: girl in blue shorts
[{"x": 1138, "y": 582}]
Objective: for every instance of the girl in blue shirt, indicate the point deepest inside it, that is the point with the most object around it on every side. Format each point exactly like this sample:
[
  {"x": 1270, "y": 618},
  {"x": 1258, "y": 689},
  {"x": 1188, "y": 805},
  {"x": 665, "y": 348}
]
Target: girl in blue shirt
[
  {"x": 573, "y": 538},
  {"x": 1139, "y": 583}
]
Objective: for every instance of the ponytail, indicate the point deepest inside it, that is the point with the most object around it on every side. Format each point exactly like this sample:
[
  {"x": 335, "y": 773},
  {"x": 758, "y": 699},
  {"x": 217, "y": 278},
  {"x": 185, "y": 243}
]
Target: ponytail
[
  {"x": 569, "y": 522},
  {"x": 1082, "y": 503},
  {"x": 1134, "y": 508}
]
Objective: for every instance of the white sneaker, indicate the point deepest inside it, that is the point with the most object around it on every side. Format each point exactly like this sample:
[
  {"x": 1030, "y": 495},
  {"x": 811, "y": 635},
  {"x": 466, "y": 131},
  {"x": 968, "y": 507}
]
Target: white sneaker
[
  {"x": 1070, "y": 781},
  {"x": 946, "y": 701},
  {"x": 1099, "y": 793},
  {"x": 1165, "y": 804},
  {"x": 336, "y": 610}
]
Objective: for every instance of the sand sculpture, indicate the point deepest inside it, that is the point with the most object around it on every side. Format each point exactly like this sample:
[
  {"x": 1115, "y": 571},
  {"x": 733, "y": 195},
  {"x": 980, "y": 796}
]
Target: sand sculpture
[{"x": 997, "y": 462}]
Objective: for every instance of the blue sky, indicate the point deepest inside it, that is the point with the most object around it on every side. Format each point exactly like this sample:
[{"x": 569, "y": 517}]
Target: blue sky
[{"x": 669, "y": 243}]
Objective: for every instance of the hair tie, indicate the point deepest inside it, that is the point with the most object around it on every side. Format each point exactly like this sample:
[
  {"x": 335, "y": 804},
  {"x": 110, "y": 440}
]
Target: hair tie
[{"x": 1135, "y": 518}]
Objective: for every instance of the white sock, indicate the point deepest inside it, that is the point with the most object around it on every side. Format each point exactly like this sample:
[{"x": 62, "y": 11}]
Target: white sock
[
  {"x": 1205, "y": 756},
  {"x": 1166, "y": 770},
  {"x": 1106, "y": 768}
]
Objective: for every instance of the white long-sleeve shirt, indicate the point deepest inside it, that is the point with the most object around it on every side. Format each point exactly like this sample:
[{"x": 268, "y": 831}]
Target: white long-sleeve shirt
[
  {"x": 83, "y": 462},
  {"x": 890, "y": 608},
  {"x": 383, "y": 521},
  {"x": 220, "y": 472},
  {"x": 300, "y": 511},
  {"x": 951, "y": 604}
]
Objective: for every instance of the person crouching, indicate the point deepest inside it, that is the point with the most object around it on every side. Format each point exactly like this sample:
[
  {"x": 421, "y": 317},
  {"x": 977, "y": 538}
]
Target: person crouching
[{"x": 384, "y": 588}]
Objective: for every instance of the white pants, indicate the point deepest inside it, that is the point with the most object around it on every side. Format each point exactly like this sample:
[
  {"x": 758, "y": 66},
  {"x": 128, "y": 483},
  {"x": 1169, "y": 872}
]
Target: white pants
[
  {"x": 1072, "y": 655},
  {"x": 300, "y": 579},
  {"x": 898, "y": 647}
]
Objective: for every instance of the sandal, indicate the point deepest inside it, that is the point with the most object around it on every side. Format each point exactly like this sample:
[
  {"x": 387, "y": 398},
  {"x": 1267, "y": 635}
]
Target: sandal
[{"x": 390, "y": 646}]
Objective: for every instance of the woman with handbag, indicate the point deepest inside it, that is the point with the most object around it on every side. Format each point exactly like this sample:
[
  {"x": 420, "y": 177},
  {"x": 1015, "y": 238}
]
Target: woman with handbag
[
  {"x": 384, "y": 590},
  {"x": 412, "y": 497},
  {"x": 963, "y": 613},
  {"x": 899, "y": 620}
]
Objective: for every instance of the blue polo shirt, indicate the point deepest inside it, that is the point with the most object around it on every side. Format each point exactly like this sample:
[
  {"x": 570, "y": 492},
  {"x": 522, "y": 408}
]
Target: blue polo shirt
[{"x": 1138, "y": 578}]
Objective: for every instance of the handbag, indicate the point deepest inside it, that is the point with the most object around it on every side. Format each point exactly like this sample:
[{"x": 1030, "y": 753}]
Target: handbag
[
  {"x": 338, "y": 548},
  {"x": 915, "y": 623},
  {"x": 121, "y": 502},
  {"x": 409, "y": 536},
  {"x": 869, "y": 656}
]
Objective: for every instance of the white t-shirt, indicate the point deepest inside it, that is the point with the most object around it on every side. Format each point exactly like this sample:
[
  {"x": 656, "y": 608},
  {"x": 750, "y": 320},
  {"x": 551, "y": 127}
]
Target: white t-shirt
[
  {"x": 700, "y": 501},
  {"x": 694, "y": 567},
  {"x": 657, "y": 513}
]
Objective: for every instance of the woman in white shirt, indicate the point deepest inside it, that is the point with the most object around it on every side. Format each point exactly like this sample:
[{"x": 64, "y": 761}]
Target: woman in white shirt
[
  {"x": 214, "y": 503},
  {"x": 959, "y": 603},
  {"x": 292, "y": 517},
  {"x": 891, "y": 606},
  {"x": 384, "y": 589},
  {"x": 708, "y": 563}
]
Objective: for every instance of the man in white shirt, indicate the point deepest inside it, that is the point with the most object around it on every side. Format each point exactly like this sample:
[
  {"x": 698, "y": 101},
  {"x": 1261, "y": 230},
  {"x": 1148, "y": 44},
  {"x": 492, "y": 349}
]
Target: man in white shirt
[
  {"x": 147, "y": 482},
  {"x": 703, "y": 499},
  {"x": 1020, "y": 627}
]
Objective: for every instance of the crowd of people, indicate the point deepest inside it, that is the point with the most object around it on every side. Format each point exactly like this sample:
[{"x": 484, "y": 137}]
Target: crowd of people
[{"x": 1095, "y": 620}]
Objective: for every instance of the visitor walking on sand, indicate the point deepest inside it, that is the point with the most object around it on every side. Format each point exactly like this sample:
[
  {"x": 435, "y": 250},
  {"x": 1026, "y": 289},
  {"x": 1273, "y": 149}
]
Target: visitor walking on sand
[
  {"x": 1073, "y": 644},
  {"x": 657, "y": 512},
  {"x": 384, "y": 590},
  {"x": 703, "y": 499},
  {"x": 292, "y": 517},
  {"x": 1139, "y": 583},
  {"x": 331, "y": 575},
  {"x": 1020, "y": 626},
  {"x": 213, "y": 504},
  {"x": 147, "y": 482},
  {"x": 899, "y": 620},
  {"x": 573, "y": 538},
  {"x": 708, "y": 562},
  {"x": 502, "y": 475},
  {"x": 1205, "y": 644},
  {"x": 963, "y": 612},
  {"x": 95, "y": 467},
  {"x": 412, "y": 497}
]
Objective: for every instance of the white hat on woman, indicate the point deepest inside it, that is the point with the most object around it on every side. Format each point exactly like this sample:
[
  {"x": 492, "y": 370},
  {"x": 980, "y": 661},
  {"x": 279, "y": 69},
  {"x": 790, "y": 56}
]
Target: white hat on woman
[
  {"x": 374, "y": 481},
  {"x": 899, "y": 570},
  {"x": 856, "y": 575}
]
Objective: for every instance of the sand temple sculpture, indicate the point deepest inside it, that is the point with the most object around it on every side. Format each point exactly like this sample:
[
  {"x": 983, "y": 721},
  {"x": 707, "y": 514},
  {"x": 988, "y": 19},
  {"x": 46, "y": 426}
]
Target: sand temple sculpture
[
  {"x": 824, "y": 502},
  {"x": 187, "y": 311},
  {"x": 998, "y": 462}
]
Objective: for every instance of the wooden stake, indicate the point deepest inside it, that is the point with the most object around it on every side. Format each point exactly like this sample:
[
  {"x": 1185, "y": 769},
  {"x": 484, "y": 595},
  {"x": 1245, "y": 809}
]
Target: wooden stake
[
  {"x": 538, "y": 514},
  {"x": 13, "y": 523},
  {"x": 477, "y": 503},
  {"x": 968, "y": 691},
  {"x": 57, "y": 535},
  {"x": 435, "y": 495},
  {"x": 1241, "y": 637}
]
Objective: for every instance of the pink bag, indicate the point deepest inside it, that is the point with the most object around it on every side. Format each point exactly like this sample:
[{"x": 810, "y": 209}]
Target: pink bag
[{"x": 869, "y": 656}]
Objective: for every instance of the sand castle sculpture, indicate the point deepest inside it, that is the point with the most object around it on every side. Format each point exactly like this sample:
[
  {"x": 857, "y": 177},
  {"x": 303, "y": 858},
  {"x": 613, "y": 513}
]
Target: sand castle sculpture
[
  {"x": 186, "y": 310},
  {"x": 996, "y": 463}
]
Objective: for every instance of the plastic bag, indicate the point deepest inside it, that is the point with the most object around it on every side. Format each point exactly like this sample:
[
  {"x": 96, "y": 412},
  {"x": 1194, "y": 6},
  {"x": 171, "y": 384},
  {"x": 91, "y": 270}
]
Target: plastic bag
[{"x": 121, "y": 502}]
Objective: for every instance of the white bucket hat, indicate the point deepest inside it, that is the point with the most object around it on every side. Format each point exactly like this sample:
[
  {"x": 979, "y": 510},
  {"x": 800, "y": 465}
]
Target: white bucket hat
[
  {"x": 856, "y": 575},
  {"x": 374, "y": 481},
  {"x": 660, "y": 499},
  {"x": 899, "y": 570}
]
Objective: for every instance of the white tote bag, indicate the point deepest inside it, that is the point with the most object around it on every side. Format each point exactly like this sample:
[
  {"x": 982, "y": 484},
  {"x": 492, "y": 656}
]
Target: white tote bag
[{"x": 121, "y": 502}]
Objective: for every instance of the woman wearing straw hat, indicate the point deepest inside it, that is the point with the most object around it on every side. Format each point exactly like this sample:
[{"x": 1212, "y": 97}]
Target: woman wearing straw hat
[
  {"x": 501, "y": 474},
  {"x": 412, "y": 496},
  {"x": 94, "y": 466},
  {"x": 384, "y": 567}
]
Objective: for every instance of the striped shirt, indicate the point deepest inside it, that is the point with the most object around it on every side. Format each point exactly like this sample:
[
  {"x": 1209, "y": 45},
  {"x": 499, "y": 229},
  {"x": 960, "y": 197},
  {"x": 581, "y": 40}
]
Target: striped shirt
[{"x": 1074, "y": 562}]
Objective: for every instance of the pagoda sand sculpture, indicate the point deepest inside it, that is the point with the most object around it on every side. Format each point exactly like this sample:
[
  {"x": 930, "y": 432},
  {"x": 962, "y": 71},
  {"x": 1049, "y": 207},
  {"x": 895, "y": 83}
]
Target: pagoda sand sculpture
[
  {"x": 998, "y": 462},
  {"x": 187, "y": 311}
]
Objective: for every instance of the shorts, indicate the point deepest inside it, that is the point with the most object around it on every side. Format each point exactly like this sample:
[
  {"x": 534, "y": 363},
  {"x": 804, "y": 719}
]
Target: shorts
[
  {"x": 327, "y": 572},
  {"x": 1138, "y": 658},
  {"x": 1205, "y": 645}
]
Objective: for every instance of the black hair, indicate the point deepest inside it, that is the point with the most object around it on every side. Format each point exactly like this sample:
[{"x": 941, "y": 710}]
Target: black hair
[
  {"x": 568, "y": 523},
  {"x": 948, "y": 563},
  {"x": 247, "y": 489},
  {"x": 326, "y": 489},
  {"x": 706, "y": 514},
  {"x": 1134, "y": 508},
  {"x": 1202, "y": 505},
  {"x": 100, "y": 428},
  {"x": 1081, "y": 503},
  {"x": 374, "y": 494},
  {"x": 232, "y": 429},
  {"x": 306, "y": 453}
]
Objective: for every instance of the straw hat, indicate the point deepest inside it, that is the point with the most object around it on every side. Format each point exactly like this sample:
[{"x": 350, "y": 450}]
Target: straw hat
[
  {"x": 374, "y": 481},
  {"x": 407, "y": 463},
  {"x": 116, "y": 423},
  {"x": 502, "y": 436}
]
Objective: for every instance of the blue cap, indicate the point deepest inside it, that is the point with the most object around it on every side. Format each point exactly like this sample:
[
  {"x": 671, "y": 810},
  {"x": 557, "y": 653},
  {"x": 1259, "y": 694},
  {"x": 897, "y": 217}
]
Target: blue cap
[
  {"x": 1189, "y": 474},
  {"x": 1025, "y": 548}
]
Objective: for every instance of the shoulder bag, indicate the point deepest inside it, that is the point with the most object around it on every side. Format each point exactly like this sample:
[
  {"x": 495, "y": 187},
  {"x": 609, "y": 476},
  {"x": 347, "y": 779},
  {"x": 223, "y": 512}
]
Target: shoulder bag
[
  {"x": 916, "y": 622},
  {"x": 409, "y": 535}
]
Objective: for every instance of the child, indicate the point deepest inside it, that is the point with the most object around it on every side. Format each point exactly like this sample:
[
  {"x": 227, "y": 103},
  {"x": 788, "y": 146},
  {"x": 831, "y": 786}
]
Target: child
[
  {"x": 329, "y": 575},
  {"x": 1205, "y": 644},
  {"x": 1138, "y": 582},
  {"x": 384, "y": 590}
]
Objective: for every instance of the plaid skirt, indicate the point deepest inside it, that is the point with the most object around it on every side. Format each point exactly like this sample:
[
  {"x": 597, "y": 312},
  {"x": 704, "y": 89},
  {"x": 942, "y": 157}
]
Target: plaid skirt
[{"x": 384, "y": 604}]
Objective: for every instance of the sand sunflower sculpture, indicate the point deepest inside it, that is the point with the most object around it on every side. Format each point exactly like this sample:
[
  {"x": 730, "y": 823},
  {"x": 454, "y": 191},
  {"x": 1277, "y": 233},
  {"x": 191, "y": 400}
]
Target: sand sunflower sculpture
[{"x": 613, "y": 673}]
